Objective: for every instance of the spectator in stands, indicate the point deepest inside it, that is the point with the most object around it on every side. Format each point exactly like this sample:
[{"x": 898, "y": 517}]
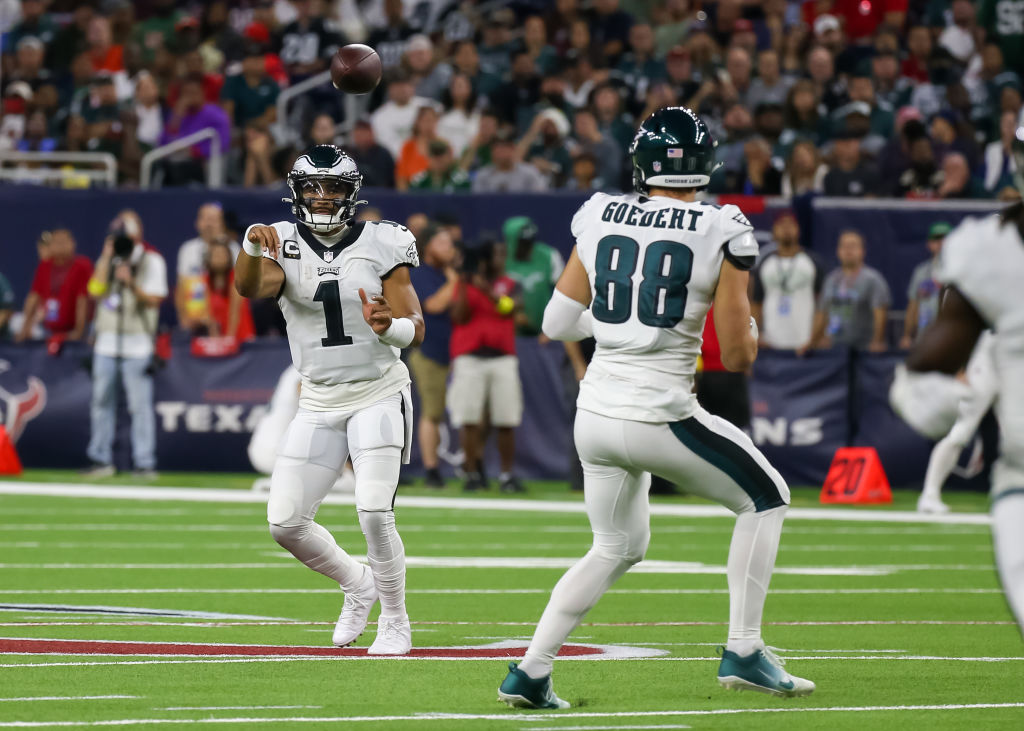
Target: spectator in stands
[
  {"x": 192, "y": 64},
  {"x": 854, "y": 302},
  {"x": 956, "y": 178},
  {"x": 251, "y": 96},
  {"x": 769, "y": 86},
  {"x": 1001, "y": 22},
  {"x": 461, "y": 120},
  {"x": 478, "y": 153},
  {"x": 922, "y": 176},
  {"x": 580, "y": 80},
  {"x": 392, "y": 121},
  {"x": 227, "y": 312},
  {"x": 803, "y": 118},
  {"x": 466, "y": 60},
  {"x": 496, "y": 47},
  {"x": 6, "y": 307},
  {"x": 192, "y": 255},
  {"x": 375, "y": 161},
  {"x": 821, "y": 70},
  {"x": 584, "y": 175},
  {"x": 36, "y": 138},
  {"x": 851, "y": 174},
  {"x": 880, "y": 113},
  {"x": 148, "y": 110},
  {"x": 639, "y": 66},
  {"x": 890, "y": 87},
  {"x": 191, "y": 114},
  {"x": 259, "y": 156},
  {"x": 590, "y": 140},
  {"x": 307, "y": 43},
  {"x": 611, "y": 119},
  {"x": 28, "y": 64},
  {"x": 412, "y": 159},
  {"x": 104, "y": 53},
  {"x": 129, "y": 283},
  {"x": 559, "y": 22},
  {"x": 545, "y": 147},
  {"x": 485, "y": 370},
  {"x": 959, "y": 37},
  {"x": 428, "y": 76},
  {"x": 156, "y": 32},
  {"x": 35, "y": 22},
  {"x": 535, "y": 267},
  {"x": 507, "y": 174},
  {"x": 609, "y": 28},
  {"x": 925, "y": 289},
  {"x": 805, "y": 172},
  {"x": 103, "y": 115},
  {"x": 58, "y": 297},
  {"x": 998, "y": 163},
  {"x": 949, "y": 134},
  {"x": 786, "y": 285},
  {"x": 760, "y": 176},
  {"x": 535, "y": 44},
  {"x": 442, "y": 174},
  {"x": 435, "y": 281},
  {"x": 390, "y": 40},
  {"x": 514, "y": 100}
]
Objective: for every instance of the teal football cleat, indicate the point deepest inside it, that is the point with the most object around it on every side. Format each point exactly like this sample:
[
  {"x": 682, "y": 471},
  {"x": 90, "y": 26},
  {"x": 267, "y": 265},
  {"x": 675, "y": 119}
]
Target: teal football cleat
[
  {"x": 519, "y": 690},
  {"x": 761, "y": 671}
]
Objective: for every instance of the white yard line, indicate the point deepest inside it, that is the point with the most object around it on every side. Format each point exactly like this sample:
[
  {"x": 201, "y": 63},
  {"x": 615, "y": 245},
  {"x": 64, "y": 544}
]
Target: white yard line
[
  {"x": 199, "y": 494},
  {"x": 30, "y": 698},
  {"x": 511, "y": 717},
  {"x": 496, "y": 592},
  {"x": 601, "y": 728},
  {"x": 232, "y": 708}
]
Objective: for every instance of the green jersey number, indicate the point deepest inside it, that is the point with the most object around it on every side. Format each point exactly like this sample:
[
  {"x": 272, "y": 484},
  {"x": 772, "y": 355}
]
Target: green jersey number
[{"x": 666, "y": 271}]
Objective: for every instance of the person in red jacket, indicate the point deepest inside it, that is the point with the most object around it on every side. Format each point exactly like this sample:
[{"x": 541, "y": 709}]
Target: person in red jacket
[
  {"x": 485, "y": 371},
  {"x": 58, "y": 295}
]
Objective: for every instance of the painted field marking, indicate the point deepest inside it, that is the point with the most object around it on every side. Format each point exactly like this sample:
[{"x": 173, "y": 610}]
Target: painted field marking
[
  {"x": 30, "y": 698},
  {"x": 232, "y": 708},
  {"x": 485, "y": 562},
  {"x": 509, "y": 717},
  {"x": 496, "y": 592},
  {"x": 605, "y": 728},
  {"x": 137, "y": 611},
  {"x": 200, "y": 494}
]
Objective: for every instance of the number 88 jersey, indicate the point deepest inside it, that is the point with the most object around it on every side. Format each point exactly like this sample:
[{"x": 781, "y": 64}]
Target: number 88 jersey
[
  {"x": 653, "y": 265},
  {"x": 343, "y": 364}
]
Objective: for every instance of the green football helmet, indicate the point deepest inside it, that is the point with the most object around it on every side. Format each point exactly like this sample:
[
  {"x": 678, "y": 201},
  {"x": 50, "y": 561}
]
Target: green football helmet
[
  {"x": 672, "y": 149},
  {"x": 325, "y": 184}
]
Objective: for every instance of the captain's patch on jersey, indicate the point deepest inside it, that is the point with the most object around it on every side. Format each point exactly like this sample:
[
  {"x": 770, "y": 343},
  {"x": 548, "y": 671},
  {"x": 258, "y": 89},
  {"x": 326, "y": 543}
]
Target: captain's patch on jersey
[{"x": 291, "y": 249}]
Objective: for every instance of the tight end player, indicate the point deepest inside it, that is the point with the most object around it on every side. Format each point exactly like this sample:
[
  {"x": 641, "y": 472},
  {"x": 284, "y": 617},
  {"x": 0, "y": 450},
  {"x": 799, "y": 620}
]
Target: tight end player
[
  {"x": 645, "y": 271},
  {"x": 345, "y": 293}
]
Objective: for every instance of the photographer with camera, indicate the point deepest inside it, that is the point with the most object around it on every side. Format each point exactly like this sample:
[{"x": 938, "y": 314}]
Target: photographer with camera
[{"x": 128, "y": 284}]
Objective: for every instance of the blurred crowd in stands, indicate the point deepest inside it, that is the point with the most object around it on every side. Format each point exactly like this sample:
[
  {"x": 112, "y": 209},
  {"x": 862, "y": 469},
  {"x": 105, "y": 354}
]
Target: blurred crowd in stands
[{"x": 904, "y": 98}]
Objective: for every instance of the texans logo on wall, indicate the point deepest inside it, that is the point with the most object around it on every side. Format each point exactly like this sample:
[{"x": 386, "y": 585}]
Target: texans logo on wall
[{"x": 22, "y": 398}]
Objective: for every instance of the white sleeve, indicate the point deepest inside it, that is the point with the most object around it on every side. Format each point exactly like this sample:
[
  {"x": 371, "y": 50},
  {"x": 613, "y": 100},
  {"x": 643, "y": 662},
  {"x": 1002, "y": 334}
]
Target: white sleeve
[
  {"x": 399, "y": 246},
  {"x": 153, "y": 275},
  {"x": 579, "y": 220},
  {"x": 567, "y": 319}
]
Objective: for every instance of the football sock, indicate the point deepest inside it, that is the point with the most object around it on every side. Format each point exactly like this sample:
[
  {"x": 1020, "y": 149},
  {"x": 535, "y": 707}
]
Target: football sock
[
  {"x": 755, "y": 542},
  {"x": 1007, "y": 519},
  {"x": 573, "y": 596},
  {"x": 940, "y": 464},
  {"x": 386, "y": 555},
  {"x": 314, "y": 545}
]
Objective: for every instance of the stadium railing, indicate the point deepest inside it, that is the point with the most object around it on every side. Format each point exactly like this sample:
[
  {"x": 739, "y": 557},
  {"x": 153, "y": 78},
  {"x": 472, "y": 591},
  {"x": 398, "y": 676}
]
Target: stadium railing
[
  {"x": 99, "y": 167},
  {"x": 214, "y": 166}
]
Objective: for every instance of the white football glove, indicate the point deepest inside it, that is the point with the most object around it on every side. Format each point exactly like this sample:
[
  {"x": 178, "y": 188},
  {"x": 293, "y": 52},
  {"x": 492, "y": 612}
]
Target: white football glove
[{"x": 928, "y": 402}]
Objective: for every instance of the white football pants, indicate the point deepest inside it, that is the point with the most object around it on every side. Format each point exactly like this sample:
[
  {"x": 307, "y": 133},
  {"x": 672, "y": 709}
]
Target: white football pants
[
  {"x": 706, "y": 456},
  {"x": 313, "y": 453},
  {"x": 983, "y": 381}
]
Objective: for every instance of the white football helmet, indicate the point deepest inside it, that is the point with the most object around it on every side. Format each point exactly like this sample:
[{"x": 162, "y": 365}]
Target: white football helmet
[{"x": 325, "y": 185}]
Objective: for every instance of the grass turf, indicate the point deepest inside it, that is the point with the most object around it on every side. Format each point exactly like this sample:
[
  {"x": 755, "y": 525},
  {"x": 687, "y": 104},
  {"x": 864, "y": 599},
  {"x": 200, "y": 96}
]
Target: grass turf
[{"x": 216, "y": 557}]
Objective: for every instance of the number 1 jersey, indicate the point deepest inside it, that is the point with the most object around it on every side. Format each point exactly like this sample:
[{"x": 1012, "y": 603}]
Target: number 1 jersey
[
  {"x": 653, "y": 265},
  {"x": 343, "y": 364}
]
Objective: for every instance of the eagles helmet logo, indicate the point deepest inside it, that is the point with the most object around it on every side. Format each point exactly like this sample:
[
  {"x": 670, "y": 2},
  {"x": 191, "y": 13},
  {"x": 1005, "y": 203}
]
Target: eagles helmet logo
[{"x": 325, "y": 184}]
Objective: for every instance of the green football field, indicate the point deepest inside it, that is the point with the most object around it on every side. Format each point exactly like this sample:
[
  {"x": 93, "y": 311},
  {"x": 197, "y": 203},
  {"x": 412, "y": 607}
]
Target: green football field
[{"x": 171, "y": 606}]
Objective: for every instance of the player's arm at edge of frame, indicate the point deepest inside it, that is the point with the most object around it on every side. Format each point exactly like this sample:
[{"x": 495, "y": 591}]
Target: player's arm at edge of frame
[
  {"x": 947, "y": 344},
  {"x": 256, "y": 276},
  {"x": 567, "y": 315},
  {"x": 397, "y": 289},
  {"x": 732, "y": 318}
]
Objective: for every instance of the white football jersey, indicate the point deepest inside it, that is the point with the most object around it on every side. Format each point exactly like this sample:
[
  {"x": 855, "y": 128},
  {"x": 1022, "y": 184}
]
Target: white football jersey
[
  {"x": 344, "y": 365},
  {"x": 653, "y": 265},
  {"x": 984, "y": 259}
]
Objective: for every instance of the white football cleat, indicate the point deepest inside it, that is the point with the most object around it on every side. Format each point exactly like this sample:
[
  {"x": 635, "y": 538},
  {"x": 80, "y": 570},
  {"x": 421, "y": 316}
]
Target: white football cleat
[
  {"x": 931, "y": 505},
  {"x": 394, "y": 637},
  {"x": 355, "y": 612}
]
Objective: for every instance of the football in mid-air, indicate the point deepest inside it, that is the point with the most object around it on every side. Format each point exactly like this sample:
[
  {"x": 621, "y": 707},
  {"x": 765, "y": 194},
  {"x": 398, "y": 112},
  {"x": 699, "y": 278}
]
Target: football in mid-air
[{"x": 356, "y": 69}]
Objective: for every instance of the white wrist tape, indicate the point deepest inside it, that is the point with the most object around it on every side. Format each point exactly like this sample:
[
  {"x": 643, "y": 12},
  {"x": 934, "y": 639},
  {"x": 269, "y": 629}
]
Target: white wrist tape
[
  {"x": 249, "y": 247},
  {"x": 400, "y": 334}
]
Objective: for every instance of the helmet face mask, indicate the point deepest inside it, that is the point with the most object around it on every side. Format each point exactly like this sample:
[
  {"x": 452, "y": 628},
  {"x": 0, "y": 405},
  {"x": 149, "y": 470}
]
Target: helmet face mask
[
  {"x": 325, "y": 185},
  {"x": 672, "y": 149}
]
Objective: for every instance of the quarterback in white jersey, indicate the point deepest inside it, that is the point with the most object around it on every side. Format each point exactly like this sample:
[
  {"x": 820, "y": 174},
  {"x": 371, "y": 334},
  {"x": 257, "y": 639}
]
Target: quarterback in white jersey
[
  {"x": 645, "y": 271},
  {"x": 982, "y": 264},
  {"x": 349, "y": 305}
]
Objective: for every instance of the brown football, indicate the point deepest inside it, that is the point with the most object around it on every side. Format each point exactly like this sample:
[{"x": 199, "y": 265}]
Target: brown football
[{"x": 356, "y": 69}]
